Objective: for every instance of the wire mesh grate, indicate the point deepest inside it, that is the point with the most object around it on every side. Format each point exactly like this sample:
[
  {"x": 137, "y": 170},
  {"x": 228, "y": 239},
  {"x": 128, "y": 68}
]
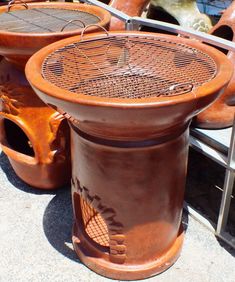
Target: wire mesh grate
[
  {"x": 94, "y": 224},
  {"x": 128, "y": 67},
  {"x": 44, "y": 20}
]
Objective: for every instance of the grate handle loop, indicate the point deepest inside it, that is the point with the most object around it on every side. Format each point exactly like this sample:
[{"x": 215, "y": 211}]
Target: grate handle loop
[
  {"x": 71, "y": 21},
  {"x": 97, "y": 25},
  {"x": 15, "y": 2},
  {"x": 175, "y": 87}
]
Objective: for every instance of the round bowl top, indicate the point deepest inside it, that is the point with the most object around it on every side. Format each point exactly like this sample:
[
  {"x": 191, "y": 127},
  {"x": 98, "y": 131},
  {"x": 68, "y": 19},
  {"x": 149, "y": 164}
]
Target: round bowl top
[
  {"x": 128, "y": 68},
  {"x": 49, "y": 19},
  {"x": 45, "y": 20},
  {"x": 26, "y": 28}
]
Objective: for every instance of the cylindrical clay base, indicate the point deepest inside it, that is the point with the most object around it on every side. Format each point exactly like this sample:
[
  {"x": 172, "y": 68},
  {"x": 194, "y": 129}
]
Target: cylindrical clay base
[{"x": 128, "y": 199}]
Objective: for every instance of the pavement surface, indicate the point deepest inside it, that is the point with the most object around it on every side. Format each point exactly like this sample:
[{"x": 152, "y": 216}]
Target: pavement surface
[{"x": 35, "y": 240}]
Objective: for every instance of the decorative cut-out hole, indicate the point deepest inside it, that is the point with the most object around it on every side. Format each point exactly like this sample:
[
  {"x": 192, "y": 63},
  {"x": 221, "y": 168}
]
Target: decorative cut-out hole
[
  {"x": 94, "y": 224},
  {"x": 17, "y": 139},
  {"x": 224, "y": 32}
]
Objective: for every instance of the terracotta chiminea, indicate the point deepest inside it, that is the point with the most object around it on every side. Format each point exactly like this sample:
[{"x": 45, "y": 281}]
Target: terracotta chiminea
[
  {"x": 129, "y": 99},
  {"x": 221, "y": 113},
  {"x": 34, "y": 136}
]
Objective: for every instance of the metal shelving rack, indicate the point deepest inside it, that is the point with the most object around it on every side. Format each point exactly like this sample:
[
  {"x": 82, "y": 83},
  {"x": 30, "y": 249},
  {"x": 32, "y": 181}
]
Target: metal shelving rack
[
  {"x": 212, "y": 143},
  {"x": 218, "y": 145}
]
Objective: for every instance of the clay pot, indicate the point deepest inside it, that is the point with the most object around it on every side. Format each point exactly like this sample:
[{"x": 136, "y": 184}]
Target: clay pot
[
  {"x": 129, "y": 7},
  {"x": 33, "y": 136},
  {"x": 221, "y": 113},
  {"x": 181, "y": 12},
  {"x": 129, "y": 143},
  {"x": 184, "y": 13},
  {"x": 6, "y": 2}
]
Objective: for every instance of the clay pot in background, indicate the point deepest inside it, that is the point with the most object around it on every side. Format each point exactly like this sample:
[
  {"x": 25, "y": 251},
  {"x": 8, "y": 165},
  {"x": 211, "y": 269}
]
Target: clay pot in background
[
  {"x": 181, "y": 12},
  {"x": 35, "y": 137},
  {"x": 184, "y": 13},
  {"x": 221, "y": 113}
]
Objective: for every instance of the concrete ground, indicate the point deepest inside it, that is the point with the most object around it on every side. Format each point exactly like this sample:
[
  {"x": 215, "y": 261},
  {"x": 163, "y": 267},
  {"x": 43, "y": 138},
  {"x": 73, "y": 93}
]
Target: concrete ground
[{"x": 35, "y": 240}]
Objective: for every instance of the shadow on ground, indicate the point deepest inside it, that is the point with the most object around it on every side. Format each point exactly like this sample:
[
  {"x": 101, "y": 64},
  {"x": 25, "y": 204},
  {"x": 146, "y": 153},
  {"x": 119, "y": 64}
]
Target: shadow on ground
[
  {"x": 226, "y": 247},
  {"x": 58, "y": 220},
  {"x": 57, "y": 223},
  {"x": 16, "y": 181},
  {"x": 185, "y": 220}
]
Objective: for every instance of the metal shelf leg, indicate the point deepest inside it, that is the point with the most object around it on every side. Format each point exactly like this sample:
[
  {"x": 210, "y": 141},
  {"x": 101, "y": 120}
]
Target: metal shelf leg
[{"x": 228, "y": 187}]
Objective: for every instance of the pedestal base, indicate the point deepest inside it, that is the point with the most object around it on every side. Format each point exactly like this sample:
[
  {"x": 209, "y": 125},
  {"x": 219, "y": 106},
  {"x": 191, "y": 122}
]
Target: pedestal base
[
  {"x": 128, "y": 204},
  {"x": 104, "y": 267}
]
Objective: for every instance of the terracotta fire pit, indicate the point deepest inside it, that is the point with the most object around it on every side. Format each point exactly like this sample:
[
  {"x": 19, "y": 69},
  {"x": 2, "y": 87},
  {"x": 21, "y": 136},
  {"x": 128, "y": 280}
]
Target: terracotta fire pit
[
  {"x": 129, "y": 99},
  {"x": 35, "y": 137}
]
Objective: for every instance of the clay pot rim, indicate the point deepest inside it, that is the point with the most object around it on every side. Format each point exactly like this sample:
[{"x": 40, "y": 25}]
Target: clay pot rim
[
  {"x": 102, "y": 14},
  {"x": 224, "y": 23},
  {"x": 33, "y": 74}
]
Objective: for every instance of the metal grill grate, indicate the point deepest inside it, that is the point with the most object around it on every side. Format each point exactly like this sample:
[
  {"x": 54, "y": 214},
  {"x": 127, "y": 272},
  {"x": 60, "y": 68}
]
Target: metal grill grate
[
  {"x": 94, "y": 224},
  {"x": 128, "y": 67},
  {"x": 44, "y": 20}
]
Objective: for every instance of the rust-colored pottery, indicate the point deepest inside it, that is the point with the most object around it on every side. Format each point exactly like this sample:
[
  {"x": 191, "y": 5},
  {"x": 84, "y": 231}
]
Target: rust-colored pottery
[
  {"x": 221, "y": 113},
  {"x": 129, "y": 7},
  {"x": 129, "y": 98},
  {"x": 35, "y": 137}
]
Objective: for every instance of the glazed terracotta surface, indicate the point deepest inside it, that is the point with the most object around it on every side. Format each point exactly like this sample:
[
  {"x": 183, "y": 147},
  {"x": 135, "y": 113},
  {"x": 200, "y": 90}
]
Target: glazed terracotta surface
[
  {"x": 34, "y": 137},
  {"x": 221, "y": 113},
  {"x": 129, "y": 140}
]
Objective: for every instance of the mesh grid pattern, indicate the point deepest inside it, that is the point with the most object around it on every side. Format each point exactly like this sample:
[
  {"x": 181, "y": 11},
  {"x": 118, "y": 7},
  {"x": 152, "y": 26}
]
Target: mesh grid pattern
[
  {"x": 128, "y": 67},
  {"x": 44, "y": 20},
  {"x": 94, "y": 224}
]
